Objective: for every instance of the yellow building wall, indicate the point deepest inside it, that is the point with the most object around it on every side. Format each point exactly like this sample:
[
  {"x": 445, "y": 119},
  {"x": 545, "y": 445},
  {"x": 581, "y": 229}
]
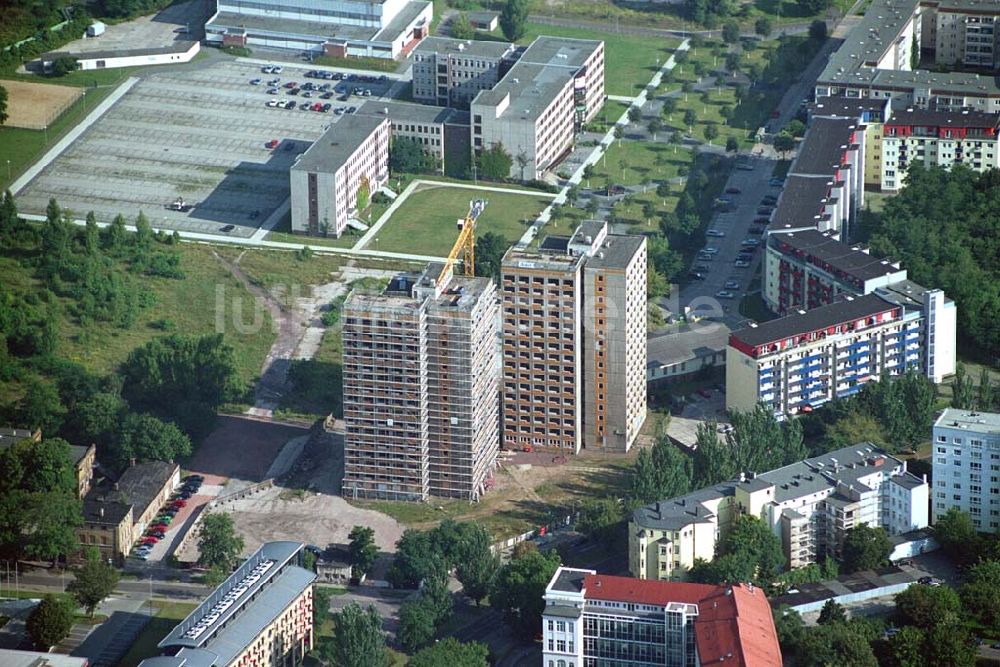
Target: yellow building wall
[
  {"x": 286, "y": 640},
  {"x": 873, "y": 155}
]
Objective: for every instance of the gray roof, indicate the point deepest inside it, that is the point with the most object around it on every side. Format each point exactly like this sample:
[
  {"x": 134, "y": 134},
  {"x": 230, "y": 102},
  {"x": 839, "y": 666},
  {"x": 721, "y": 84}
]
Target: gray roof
[
  {"x": 569, "y": 580},
  {"x": 11, "y": 435},
  {"x": 616, "y": 252},
  {"x": 676, "y": 513},
  {"x": 930, "y": 118},
  {"x": 815, "y": 319},
  {"x": 277, "y": 26},
  {"x": 401, "y": 21},
  {"x": 114, "y": 512},
  {"x": 822, "y": 150},
  {"x": 330, "y": 152},
  {"x": 908, "y": 481},
  {"x": 473, "y": 48},
  {"x": 531, "y": 88},
  {"x": 13, "y": 658},
  {"x": 516, "y": 259},
  {"x": 77, "y": 452},
  {"x": 905, "y": 293},
  {"x": 562, "y": 611},
  {"x": 801, "y": 202},
  {"x": 686, "y": 343},
  {"x": 176, "y": 47},
  {"x": 140, "y": 484},
  {"x": 826, "y": 251},
  {"x": 987, "y": 423},
  {"x": 560, "y": 51},
  {"x": 408, "y": 112},
  {"x": 259, "y": 603},
  {"x": 848, "y": 107},
  {"x": 462, "y": 294}
]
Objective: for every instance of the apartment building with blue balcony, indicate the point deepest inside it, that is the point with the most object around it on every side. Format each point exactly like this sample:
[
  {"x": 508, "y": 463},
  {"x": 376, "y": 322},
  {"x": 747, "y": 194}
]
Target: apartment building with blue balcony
[{"x": 799, "y": 362}]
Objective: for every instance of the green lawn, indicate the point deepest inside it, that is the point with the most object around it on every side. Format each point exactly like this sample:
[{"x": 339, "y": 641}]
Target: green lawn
[
  {"x": 635, "y": 162},
  {"x": 607, "y": 116},
  {"x": 376, "y": 64},
  {"x": 425, "y": 223},
  {"x": 167, "y": 615}
]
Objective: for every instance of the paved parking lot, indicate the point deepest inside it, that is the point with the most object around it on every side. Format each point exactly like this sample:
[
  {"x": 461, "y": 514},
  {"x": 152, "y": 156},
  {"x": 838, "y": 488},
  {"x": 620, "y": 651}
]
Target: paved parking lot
[{"x": 199, "y": 134}]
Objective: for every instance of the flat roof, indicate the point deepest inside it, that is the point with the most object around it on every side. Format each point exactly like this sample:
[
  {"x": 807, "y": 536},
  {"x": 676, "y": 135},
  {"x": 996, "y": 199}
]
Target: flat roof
[
  {"x": 801, "y": 202},
  {"x": 560, "y": 51},
  {"x": 685, "y": 343},
  {"x": 823, "y": 317},
  {"x": 394, "y": 29},
  {"x": 462, "y": 294},
  {"x": 987, "y": 423},
  {"x": 929, "y": 118},
  {"x": 410, "y": 112},
  {"x": 569, "y": 580},
  {"x": 822, "y": 150},
  {"x": 176, "y": 47},
  {"x": 531, "y": 88},
  {"x": 616, "y": 252},
  {"x": 848, "y": 107},
  {"x": 278, "y": 26},
  {"x": 337, "y": 144},
  {"x": 906, "y": 293},
  {"x": 516, "y": 258},
  {"x": 474, "y": 48},
  {"x": 848, "y": 259},
  {"x": 14, "y": 658}
]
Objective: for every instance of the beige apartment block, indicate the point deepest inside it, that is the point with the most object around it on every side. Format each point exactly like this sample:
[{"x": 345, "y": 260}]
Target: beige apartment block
[
  {"x": 421, "y": 388},
  {"x": 326, "y": 179}
]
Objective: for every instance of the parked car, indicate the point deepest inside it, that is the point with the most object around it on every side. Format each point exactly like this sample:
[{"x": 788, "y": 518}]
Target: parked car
[
  {"x": 715, "y": 232},
  {"x": 227, "y": 229},
  {"x": 273, "y": 143},
  {"x": 741, "y": 264},
  {"x": 765, "y": 210},
  {"x": 274, "y": 82},
  {"x": 732, "y": 284},
  {"x": 695, "y": 275},
  {"x": 725, "y": 294},
  {"x": 769, "y": 200},
  {"x": 272, "y": 91},
  {"x": 351, "y": 109},
  {"x": 325, "y": 96},
  {"x": 757, "y": 230},
  {"x": 291, "y": 84},
  {"x": 702, "y": 268},
  {"x": 762, "y": 221},
  {"x": 744, "y": 166},
  {"x": 255, "y": 82},
  {"x": 271, "y": 103},
  {"x": 776, "y": 182},
  {"x": 711, "y": 250},
  {"x": 326, "y": 107},
  {"x": 733, "y": 191},
  {"x": 276, "y": 69},
  {"x": 194, "y": 478}
]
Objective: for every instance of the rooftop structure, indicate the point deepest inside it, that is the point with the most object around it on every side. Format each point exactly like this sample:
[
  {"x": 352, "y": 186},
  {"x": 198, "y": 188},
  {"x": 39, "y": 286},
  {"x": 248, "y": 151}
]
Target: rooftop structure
[
  {"x": 14, "y": 658},
  {"x": 468, "y": 48}
]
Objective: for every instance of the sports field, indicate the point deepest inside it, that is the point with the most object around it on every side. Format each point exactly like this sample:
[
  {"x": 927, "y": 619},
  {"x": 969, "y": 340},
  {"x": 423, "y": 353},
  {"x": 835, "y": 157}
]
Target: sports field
[
  {"x": 425, "y": 224},
  {"x": 34, "y": 106}
]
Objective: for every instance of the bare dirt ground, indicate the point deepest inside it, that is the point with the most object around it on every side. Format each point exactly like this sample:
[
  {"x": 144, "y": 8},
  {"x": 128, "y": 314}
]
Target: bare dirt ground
[
  {"x": 35, "y": 105},
  {"x": 149, "y": 31},
  {"x": 242, "y": 448}
]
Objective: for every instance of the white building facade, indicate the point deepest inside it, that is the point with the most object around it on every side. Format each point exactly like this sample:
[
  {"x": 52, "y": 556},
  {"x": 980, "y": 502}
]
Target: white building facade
[{"x": 967, "y": 466}]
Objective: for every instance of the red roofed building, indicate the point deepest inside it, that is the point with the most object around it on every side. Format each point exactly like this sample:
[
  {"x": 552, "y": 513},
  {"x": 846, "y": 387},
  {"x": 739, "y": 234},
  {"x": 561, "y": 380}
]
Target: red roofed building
[{"x": 593, "y": 620}]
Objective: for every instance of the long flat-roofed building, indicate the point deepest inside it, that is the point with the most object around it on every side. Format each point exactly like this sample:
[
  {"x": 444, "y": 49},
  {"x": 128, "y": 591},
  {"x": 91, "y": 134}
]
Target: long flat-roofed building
[
  {"x": 325, "y": 180},
  {"x": 809, "y": 504},
  {"x": 261, "y": 616},
  {"x": 451, "y": 72},
  {"x": 421, "y": 388},
  {"x": 338, "y": 28},
  {"x": 442, "y": 132},
  {"x": 593, "y": 619}
]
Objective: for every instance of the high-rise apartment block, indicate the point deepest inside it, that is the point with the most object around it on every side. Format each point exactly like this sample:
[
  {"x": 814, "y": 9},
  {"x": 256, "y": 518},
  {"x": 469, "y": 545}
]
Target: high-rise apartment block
[
  {"x": 810, "y": 505},
  {"x": 593, "y": 619},
  {"x": 421, "y": 387},
  {"x": 967, "y": 466},
  {"x": 574, "y": 351}
]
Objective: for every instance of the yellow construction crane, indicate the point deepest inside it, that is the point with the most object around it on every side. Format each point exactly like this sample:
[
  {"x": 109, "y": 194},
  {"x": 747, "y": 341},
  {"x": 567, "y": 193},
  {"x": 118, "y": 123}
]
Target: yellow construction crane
[{"x": 465, "y": 244}]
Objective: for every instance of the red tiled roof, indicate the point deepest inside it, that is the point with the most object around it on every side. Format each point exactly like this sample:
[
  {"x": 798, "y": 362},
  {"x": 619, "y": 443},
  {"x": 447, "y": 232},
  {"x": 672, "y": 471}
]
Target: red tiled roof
[
  {"x": 737, "y": 629},
  {"x": 643, "y": 591}
]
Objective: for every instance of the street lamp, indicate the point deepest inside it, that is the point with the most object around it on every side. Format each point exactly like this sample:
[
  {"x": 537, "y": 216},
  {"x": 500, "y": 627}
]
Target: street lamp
[{"x": 9, "y": 177}]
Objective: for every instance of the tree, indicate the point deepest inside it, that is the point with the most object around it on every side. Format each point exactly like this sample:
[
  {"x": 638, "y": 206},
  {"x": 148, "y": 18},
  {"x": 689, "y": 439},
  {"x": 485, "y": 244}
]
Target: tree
[
  {"x": 669, "y": 106},
  {"x": 783, "y": 143},
  {"x": 762, "y": 26},
  {"x": 832, "y": 613},
  {"x": 812, "y": 7},
  {"x": 218, "y": 544},
  {"x": 600, "y": 519},
  {"x": 957, "y": 536},
  {"x": 711, "y": 132},
  {"x": 796, "y": 128},
  {"x": 461, "y": 27},
  {"x": 520, "y": 590},
  {"x": 949, "y": 645},
  {"x": 789, "y": 627},
  {"x": 363, "y": 550},
  {"x": 364, "y": 195},
  {"x": 514, "y": 19},
  {"x": 490, "y": 249},
  {"x": 986, "y": 393},
  {"x": 415, "y": 559},
  {"x": 842, "y": 644},
  {"x": 752, "y": 539},
  {"x": 93, "y": 582},
  {"x": 690, "y": 118},
  {"x": 906, "y": 648},
  {"x": 660, "y": 472},
  {"x": 64, "y": 65},
  {"x": 634, "y": 114},
  {"x": 981, "y": 594},
  {"x": 479, "y": 565},
  {"x": 654, "y": 126},
  {"x": 495, "y": 162},
  {"x": 3, "y": 105},
  {"x": 926, "y": 606},
  {"x": 406, "y": 155},
  {"x": 321, "y": 604},
  {"x": 49, "y": 622},
  {"x": 713, "y": 461},
  {"x": 453, "y": 653},
  {"x": 963, "y": 392},
  {"x": 145, "y": 438},
  {"x": 818, "y": 30},
  {"x": 732, "y": 145},
  {"x": 731, "y": 32},
  {"x": 865, "y": 548},
  {"x": 416, "y": 624},
  {"x": 358, "y": 638},
  {"x": 618, "y": 132}
]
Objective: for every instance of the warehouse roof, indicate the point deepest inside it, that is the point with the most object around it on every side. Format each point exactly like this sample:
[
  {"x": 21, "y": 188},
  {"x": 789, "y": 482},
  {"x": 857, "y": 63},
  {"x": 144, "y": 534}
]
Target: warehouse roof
[{"x": 176, "y": 47}]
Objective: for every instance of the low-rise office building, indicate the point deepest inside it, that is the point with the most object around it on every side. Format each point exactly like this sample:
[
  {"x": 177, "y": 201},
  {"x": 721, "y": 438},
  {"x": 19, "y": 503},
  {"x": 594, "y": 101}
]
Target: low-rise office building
[
  {"x": 442, "y": 132},
  {"x": 937, "y": 139},
  {"x": 810, "y": 505},
  {"x": 325, "y": 180},
  {"x": 967, "y": 466},
  {"x": 421, "y": 388},
  {"x": 574, "y": 341},
  {"x": 261, "y": 616},
  {"x": 451, "y": 72},
  {"x": 798, "y": 362},
  {"x": 536, "y": 109},
  {"x": 592, "y": 619},
  {"x": 368, "y": 28}
]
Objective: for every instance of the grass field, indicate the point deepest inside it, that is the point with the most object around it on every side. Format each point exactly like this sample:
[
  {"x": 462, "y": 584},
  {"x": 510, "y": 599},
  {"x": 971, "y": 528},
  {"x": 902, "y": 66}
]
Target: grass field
[
  {"x": 425, "y": 223},
  {"x": 635, "y": 162},
  {"x": 167, "y": 615}
]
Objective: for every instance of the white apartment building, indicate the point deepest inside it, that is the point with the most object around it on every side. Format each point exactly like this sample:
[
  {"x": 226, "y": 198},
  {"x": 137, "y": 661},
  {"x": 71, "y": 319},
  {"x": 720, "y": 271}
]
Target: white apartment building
[
  {"x": 326, "y": 179},
  {"x": 540, "y": 104},
  {"x": 810, "y": 505},
  {"x": 965, "y": 33},
  {"x": 967, "y": 466},
  {"x": 937, "y": 139},
  {"x": 592, "y": 620},
  {"x": 451, "y": 72}
]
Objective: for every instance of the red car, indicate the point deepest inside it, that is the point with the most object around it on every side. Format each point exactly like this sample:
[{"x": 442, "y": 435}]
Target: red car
[
  {"x": 273, "y": 143},
  {"x": 290, "y": 85},
  {"x": 705, "y": 393},
  {"x": 158, "y": 526},
  {"x": 150, "y": 540},
  {"x": 178, "y": 503}
]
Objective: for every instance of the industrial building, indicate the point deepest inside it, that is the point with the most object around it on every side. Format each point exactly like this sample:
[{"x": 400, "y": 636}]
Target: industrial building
[
  {"x": 574, "y": 350},
  {"x": 967, "y": 466},
  {"x": 937, "y": 139},
  {"x": 810, "y": 505},
  {"x": 421, "y": 387},
  {"x": 351, "y": 156},
  {"x": 451, "y": 72},
  {"x": 366, "y": 28},
  {"x": 261, "y": 616},
  {"x": 798, "y": 362},
  {"x": 173, "y": 54},
  {"x": 595, "y": 619}
]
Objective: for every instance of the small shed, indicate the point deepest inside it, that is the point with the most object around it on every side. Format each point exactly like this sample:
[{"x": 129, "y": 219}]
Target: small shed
[
  {"x": 96, "y": 29},
  {"x": 485, "y": 21}
]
